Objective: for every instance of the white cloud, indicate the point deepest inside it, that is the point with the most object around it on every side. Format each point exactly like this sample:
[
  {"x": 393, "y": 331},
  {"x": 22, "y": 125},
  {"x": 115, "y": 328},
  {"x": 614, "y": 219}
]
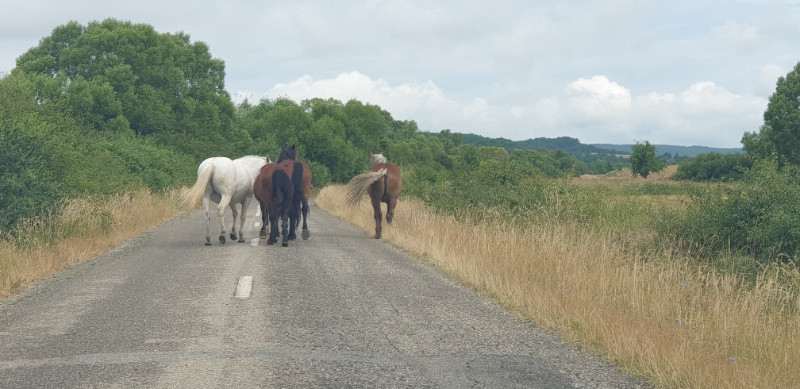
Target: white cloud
[
  {"x": 703, "y": 114},
  {"x": 596, "y": 100}
]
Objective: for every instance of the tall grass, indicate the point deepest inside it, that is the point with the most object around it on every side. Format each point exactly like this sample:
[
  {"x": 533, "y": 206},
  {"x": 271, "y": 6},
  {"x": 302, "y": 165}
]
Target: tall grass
[
  {"x": 80, "y": 229},
  {"x": 657, "y": 312}
]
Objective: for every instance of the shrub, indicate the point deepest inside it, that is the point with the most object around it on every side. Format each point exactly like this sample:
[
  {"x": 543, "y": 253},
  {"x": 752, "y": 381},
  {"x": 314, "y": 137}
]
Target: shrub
[
  {"x": 714, "y": 167},
  {"x": 759, "y": 216}
]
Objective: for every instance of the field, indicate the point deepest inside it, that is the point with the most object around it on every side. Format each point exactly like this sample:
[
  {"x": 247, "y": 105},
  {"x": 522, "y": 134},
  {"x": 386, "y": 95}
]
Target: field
[{"x": 629, "y": 295}]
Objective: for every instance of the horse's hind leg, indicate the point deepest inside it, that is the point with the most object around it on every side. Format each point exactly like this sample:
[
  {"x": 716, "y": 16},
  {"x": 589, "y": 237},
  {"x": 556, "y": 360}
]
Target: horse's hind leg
[
  {"x": 390, "y": 209},
  {"x": 273, "y": 231},
  {"x": 285, "y": 230},
  {"x": 264, "y": 220},
  {"x": 223, "y": 203},
  {"x": 306, "y": 233},
  {"x": 294, "y": 219},
  {"x": 236, "y": 215},
  {"x": 208, "y": 221},
  {"x": 245, "y": 205},
  {"x": 376, "y": 208}
]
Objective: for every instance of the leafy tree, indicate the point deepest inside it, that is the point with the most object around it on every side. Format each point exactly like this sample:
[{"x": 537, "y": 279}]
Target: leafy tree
[
  {"x": 273, "y": 123},
  {"x": 367, "y": 125},
  {"x": 644, "y": 161},
  {"x": 325, "y": 143},
  {"x": 48, "y": 155},
  {"x": 118, "y": 76},
  {"x": 420, "y": 150},
  {"x": 780, "y": 133}
]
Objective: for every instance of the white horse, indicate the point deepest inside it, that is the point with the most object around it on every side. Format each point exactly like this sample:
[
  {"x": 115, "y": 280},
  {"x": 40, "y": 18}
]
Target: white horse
[{"x": 227, "y": 183}]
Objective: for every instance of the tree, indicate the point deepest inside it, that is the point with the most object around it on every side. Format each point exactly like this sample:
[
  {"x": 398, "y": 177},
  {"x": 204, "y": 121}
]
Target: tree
[
  {"x": 780, "y": 133},
  {"x": 117, "y": 76},
  {"x": 644, "y": 160}
]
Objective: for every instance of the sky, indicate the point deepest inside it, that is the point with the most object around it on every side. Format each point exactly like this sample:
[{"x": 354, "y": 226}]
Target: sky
[{"x": 683, "y": 72}]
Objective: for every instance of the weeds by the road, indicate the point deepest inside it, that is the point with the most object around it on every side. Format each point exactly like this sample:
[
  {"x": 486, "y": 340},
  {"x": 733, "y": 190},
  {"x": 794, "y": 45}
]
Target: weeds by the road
[
  {"x": 79, "y": 230},
  {"x": 658, "y": 313}
]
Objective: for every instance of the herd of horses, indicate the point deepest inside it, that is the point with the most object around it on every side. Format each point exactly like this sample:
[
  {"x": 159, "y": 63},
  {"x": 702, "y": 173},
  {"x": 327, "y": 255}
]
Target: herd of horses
[{"x": 282, "y": 189}]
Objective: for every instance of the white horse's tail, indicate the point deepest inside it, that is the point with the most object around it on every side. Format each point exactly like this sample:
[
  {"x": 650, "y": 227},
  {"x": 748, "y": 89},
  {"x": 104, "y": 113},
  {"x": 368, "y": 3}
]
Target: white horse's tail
[
  {"x": 358, "y": 185},
  {"x": 192, "y": 197}
]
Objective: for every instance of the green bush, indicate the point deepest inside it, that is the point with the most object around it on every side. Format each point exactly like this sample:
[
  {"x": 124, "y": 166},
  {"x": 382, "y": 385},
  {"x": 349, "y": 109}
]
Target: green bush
[
  {"x": 47, "y": 155},
  {"x": 714, "y": 167},
  {"x": 759, "y": 216},
  {"x": 320, "y": 175}
]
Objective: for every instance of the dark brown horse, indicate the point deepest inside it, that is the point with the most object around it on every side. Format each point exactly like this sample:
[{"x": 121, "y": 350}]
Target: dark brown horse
[
  {"x": 274, "y": 191},
  {"x": 383, "y": 183},
  {"x": 301, "y": 180}
]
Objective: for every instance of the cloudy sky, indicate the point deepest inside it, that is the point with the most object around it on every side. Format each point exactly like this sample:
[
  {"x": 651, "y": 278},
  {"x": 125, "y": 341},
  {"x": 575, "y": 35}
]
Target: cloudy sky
[{"x": 683, "y": 72}]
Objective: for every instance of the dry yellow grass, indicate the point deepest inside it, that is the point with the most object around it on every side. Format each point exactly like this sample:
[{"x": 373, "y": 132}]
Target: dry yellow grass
[
  {"x": 85, "y": 229},
  {"x": 660, "y": 317}
]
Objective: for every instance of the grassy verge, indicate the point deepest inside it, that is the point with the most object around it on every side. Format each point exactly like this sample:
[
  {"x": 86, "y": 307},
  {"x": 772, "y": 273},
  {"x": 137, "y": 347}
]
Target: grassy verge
[
  {"x": 80, "y": 230},
  {"x": 656, "y": 312}
]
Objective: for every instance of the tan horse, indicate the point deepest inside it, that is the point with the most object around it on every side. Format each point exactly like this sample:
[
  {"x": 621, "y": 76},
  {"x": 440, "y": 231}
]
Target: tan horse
[{"x": 383, "y": 183}]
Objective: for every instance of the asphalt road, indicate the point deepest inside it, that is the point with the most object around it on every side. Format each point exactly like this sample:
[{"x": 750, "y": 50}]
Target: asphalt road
[{"x": 338, "y": 310}]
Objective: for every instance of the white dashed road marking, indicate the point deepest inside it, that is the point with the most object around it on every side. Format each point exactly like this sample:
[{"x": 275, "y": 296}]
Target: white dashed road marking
[{"x": 245, "y": 287}]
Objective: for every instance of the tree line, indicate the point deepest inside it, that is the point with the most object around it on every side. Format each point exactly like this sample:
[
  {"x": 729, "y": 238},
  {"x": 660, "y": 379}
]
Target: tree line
[{"x": 113, "y": 106}]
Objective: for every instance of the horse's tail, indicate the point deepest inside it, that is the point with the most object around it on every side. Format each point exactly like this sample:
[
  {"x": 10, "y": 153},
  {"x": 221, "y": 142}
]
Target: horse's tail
[
  {"x": 282, "y": 185},
  {"x": 297, "y": 178},
  {"x": 359, "y": 184},
  {"x": 192, "y": 197}
]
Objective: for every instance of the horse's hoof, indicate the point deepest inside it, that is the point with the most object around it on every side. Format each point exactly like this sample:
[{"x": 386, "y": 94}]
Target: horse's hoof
[
  {"x": 233, "y": 237},
  {"x": 262, "y": 235},
  {"x": 222, "y": 239},
  {"x": 285, "y": 244},
  {"x": 306, "y": 234},
  {"x": 292, "y": 237},
  {"x": 240, "y": 240},
  {"x": 377, "y": 236},
  {"x": 208, "y": 243}
]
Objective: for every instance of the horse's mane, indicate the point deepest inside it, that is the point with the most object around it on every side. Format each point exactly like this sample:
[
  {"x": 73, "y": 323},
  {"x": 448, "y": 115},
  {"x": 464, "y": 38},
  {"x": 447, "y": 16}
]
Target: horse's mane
[
  {"x": 378, "y": 158},
  {"x": 288, "y": 153}
]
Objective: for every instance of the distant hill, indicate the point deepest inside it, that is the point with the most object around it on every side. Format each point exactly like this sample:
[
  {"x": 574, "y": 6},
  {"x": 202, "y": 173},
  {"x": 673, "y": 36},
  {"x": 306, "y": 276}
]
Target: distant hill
[
  {"x": 575, "y": 147},
  {"x": 563, "y": 143},
  {"x": 687, "y": 151}
]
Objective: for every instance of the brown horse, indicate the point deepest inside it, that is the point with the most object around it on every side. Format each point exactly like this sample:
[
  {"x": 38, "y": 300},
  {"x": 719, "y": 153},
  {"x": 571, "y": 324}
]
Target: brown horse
[
  {"x": 301, "y": 179},
  {"x": 383, "y": 183},
  {"x": 274, "y": 191}
]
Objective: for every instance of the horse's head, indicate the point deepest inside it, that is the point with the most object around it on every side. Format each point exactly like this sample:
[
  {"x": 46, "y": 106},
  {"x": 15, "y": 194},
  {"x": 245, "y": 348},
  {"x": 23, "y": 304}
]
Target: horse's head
[
  {"x": 288, "y": 152},
  {"x": 377, "y": 158}
]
